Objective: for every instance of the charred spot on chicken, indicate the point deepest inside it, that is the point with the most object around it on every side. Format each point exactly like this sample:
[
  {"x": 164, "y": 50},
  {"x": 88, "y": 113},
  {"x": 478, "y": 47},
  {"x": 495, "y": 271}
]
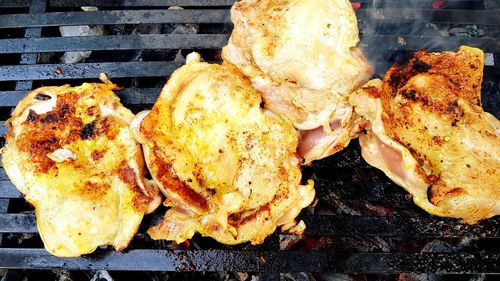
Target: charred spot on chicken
[{"x": 70, "y": 152}]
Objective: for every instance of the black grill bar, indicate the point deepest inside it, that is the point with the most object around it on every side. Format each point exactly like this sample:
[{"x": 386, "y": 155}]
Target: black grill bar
[
  {"x": 15, "y": 4},
  {"x": 377, "y": 43},
  {"x": 92, "y": 70},
  {"x": 402, "y": 16},
  {"x": 148, "y": 96},
  {"x": 194, "y": 3},
  {"x": 258, "y": 261},
  {"x": 203, "y": 3},
  {"x": 87, "y": 70},
  {"x": 115, "y": 17},
  {"x": 337, "y": 226},
  {"x": 140, "y": 3},
  {"x": 37, "y": 6},
  {"x": 116, "y": 42}
]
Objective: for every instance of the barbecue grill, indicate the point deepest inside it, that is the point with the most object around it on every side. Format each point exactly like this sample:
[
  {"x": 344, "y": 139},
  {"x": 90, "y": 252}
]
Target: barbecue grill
[{"x": 362, "y": 226}]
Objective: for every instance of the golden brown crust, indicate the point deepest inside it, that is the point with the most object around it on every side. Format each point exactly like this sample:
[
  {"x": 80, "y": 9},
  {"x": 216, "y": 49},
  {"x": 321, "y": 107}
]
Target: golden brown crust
[
  {"x": 166, "y": 176},
  {"x": 70, "y": 152},
  {"x": 270, "y": 43},
  {"x": 228, "y": 169},
  {"x": 429, "y": 107}
]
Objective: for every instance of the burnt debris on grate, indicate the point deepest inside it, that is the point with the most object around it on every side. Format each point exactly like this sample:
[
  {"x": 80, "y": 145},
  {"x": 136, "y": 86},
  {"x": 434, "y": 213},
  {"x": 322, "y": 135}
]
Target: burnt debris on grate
[{"x": 362, "y": 227}]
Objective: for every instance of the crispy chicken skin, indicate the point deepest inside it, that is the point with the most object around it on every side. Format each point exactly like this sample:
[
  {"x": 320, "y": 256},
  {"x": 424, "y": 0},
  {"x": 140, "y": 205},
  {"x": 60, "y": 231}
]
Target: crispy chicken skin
[
  {"x": 229, "y": 169},
  {"x": 71, "y": 154},
  {"x": 430, "y": 135},
  {"x": 301, "y": 55}
]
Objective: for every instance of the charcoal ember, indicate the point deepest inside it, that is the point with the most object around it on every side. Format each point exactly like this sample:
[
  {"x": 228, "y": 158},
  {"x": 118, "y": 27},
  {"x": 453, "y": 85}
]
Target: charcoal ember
[
  {"x": 467, "y": 243},
  {"x": 242, "y": 276},
  {"x": 350, "y": 157},
  {"x": 134, "y": 29},
  {"x": 333, "y": 277},
  {"x": 435, "y": 246},
  {"x": 300, "y": 276},
  {"x": 419, "y": 277},
  {"x": 12, "y": 275},
  {"x": 102, "y": 275},
  {"x": 466, "y": 31},
  {"x": 288, "y": 241},
  {"x": 80, "y": 30},
  {"x": 62, "y": 275},
  {"x": 438, "y": 246},
  {"x": 339, "y": 244},
  {"x": 135, "y": 55},
  {"x": 21, "y": 238},
  {"x": 188, "y": 28}
]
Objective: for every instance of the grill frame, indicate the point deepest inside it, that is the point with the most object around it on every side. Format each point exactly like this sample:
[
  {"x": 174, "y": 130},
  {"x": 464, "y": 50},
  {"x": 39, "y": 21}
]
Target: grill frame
[{"x": 267, "y": 260}]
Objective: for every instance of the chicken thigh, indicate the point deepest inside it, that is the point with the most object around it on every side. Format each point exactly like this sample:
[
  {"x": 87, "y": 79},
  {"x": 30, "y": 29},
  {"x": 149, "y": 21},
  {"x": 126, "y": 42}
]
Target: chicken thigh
[
  {"x": 228, "y": 168},
  {"x": 430, "y": 135},
  {"x": 71, "y": 153},
  {"x": 301, "y": 55}
]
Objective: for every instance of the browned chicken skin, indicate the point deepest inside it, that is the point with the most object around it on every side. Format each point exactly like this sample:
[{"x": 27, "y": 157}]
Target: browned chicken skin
[
  {"x": 430, "y": 134},
  {"x": 70, "y": 152},
  {"x": 301, "y": 55},
  {"x": 229, "y": 168}
]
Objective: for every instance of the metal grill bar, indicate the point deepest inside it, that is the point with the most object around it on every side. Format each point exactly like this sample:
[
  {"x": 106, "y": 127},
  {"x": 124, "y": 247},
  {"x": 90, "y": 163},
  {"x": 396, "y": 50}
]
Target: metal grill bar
[
  {"x": 161, "y": 3},
  {"x": 206, "y": 3},
  {"x": 15, "y": 4},
  {"x": 116, "y": 42},
  {"x": 87, "y": 70},
  {"x": 115, "y": 17},
  {"x": 92, "y": 70},
  {"x": 257, "y": 261},
  {"x": 431, "y": 43},
  {"x": 480, "y": 17},
  {"x": 37, "y": 6},
  {"x": 377, "y": 43},
  {"x": 336, "y": 226},
  {"x": 139, "y": 3}
]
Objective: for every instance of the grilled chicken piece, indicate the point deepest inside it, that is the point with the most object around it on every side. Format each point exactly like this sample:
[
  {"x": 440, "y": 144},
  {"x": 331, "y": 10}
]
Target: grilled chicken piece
[
  {"x": 430, "y": 135},
  {"x": 301, "y": 55},
  {"x": 71, "y": 153},
  {"x": 228, "y": 168}
]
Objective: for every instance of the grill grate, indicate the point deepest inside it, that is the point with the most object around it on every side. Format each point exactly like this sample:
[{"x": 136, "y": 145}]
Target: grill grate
[{"x": 362, "y": 224}]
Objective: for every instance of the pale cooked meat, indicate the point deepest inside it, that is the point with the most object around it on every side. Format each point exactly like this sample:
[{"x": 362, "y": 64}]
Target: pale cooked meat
[
  {"x": 71, "y": 153},
  {"x": 431, "y": 136},
  {"x": 301, "y": 55},
  {"x": 228, "y": 168}
]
